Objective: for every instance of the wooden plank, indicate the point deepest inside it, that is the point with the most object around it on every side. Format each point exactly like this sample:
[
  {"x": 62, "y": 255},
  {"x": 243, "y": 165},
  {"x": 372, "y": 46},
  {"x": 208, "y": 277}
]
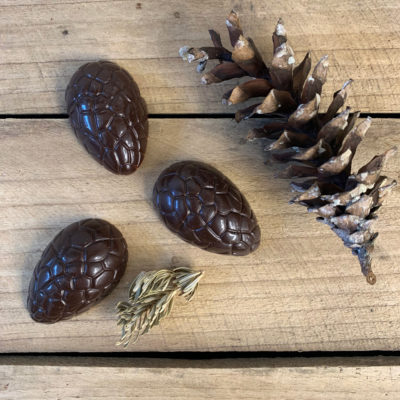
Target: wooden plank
[
  {"x": 43, "y": 43},
  {"x": 36, "y": 378},
  {"x": 302, "y": 290}
]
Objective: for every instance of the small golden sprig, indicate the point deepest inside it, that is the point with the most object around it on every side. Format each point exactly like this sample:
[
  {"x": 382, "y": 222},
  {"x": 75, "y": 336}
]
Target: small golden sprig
[{"x": 151, "y": 296}]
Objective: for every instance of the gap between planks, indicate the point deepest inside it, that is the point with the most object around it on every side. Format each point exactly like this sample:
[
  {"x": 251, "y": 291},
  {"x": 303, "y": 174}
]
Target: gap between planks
[{"x": 186, "y": 116}]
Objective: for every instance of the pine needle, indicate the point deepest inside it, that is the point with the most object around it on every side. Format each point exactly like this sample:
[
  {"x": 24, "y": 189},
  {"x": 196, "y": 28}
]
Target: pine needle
[{"x": 151, "y": 297}]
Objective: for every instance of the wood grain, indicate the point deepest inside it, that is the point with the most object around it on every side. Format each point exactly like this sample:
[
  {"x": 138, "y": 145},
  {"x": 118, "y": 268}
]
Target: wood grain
[
  {"x": 43, "y": 43},
  {"x": 301, "y": 290},
  {"x": 35, "y": 378}
]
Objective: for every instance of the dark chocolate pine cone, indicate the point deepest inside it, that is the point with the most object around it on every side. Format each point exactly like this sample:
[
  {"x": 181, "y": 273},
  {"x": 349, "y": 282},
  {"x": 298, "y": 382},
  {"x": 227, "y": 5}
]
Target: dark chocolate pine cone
[
  {"x": 206, "y": 209},
  {"x": 108, "y": 115},
  {"x": 78, "y": 268},
  {"x": 318, "y": 147}
]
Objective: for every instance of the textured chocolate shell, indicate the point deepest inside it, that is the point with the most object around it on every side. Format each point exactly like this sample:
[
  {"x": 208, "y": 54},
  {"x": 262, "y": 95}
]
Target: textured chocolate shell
[
  {"x": 205, "y": 208},
  {"x": 108, "y": 115},
  {"x": 79, "y": 267}
]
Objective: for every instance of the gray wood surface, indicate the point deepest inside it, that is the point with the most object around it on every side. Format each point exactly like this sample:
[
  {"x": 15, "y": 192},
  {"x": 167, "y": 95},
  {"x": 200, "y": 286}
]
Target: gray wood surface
[
  {"x": 44, "y": 41},
  {"x": 301, "y": 290},
  {"x": 66, "y": 378}
]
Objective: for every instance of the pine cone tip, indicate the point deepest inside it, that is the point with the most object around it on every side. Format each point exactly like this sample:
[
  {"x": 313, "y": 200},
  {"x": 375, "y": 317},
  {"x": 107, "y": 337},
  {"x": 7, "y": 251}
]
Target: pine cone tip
[{"x": 371, "y": 278}]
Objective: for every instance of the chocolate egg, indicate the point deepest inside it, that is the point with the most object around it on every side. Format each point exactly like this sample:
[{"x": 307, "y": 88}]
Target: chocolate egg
[
  {"x": 108, "y": 115},
  {"x": 205, "y": 208},
  {"x": 79, "y": 267}
]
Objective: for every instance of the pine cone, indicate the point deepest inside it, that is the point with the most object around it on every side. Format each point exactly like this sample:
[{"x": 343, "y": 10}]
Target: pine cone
[{"x": 319, "y": 147}]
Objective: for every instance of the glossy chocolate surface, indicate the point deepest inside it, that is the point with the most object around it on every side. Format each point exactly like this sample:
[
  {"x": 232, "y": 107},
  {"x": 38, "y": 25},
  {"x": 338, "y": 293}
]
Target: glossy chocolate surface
[
  {"x": 205, "y": 208},
  {"x": 79, "y": 267},
  {"x": 108, "y": 115}
]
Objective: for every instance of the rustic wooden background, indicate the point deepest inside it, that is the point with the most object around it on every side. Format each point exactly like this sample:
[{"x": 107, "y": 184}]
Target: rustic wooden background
[{"x": 301, "y": 291}]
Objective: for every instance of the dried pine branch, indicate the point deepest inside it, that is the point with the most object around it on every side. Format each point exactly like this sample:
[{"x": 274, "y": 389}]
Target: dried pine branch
[
  {"x": 319, "y": 148},
  {"x": 151, "y": 297}
]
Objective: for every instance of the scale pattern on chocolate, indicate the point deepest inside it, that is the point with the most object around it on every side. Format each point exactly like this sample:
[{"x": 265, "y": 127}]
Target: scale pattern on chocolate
[
  {"x": 79, "y": 267},
  {"x": 108, "y": 115},
  {"x": 205, "y": 208}
]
